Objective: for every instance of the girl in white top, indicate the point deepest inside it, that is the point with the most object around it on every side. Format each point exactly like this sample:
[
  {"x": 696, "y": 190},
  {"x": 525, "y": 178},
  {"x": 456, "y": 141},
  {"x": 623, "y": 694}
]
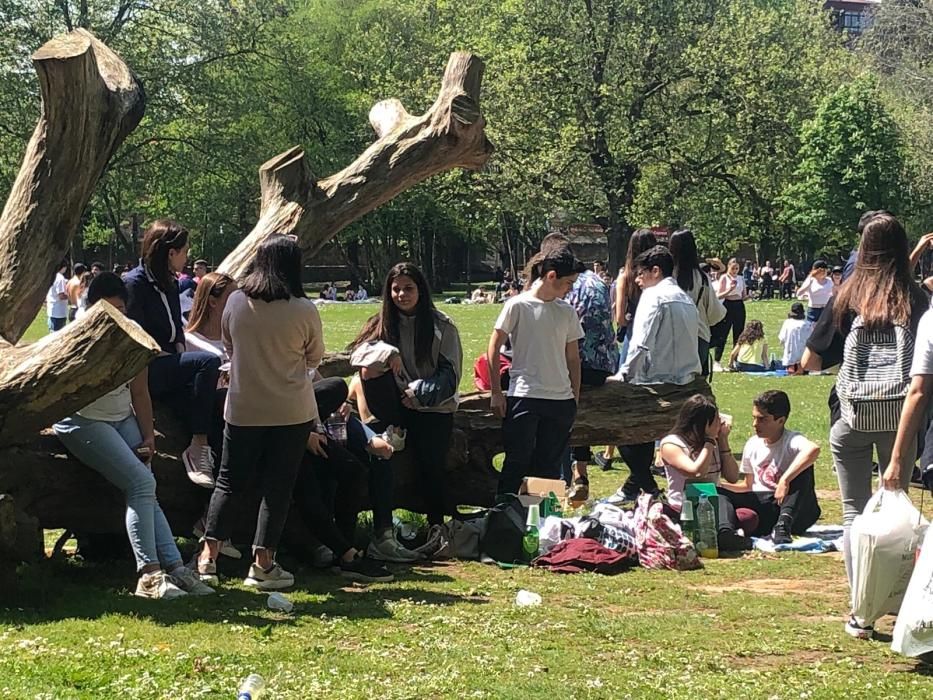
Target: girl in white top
[
  {"x": 730, "y": 288},
  {"x": 114, "y": 436},
  {"x": 793, "y": 336},
  {"x": 203, "y": 330},
  {"x": 697, "y": 450},
  {"x": 817, "y": 290}
]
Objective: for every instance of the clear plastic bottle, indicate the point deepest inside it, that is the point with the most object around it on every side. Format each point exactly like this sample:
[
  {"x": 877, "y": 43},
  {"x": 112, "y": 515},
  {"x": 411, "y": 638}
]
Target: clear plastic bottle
[
  {"x": 688, "y": 524},
  {"x": 337, "y": 428},
  {"x": 706, "y": 542},
  {"x": 251, "y": 688}
]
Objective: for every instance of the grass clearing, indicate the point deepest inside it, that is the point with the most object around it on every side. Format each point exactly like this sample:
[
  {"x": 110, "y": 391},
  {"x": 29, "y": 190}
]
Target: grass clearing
[{"x": 759, "y": 626}]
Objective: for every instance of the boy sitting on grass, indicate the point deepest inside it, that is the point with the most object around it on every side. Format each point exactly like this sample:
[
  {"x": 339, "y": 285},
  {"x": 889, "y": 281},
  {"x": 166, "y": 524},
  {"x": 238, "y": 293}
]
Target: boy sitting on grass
[{"x": 778, "y": 467}]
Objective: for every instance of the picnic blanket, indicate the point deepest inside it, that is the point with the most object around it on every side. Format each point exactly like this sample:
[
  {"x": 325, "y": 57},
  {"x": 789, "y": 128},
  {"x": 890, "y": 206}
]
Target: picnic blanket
[{"x": 819, "y": 539}]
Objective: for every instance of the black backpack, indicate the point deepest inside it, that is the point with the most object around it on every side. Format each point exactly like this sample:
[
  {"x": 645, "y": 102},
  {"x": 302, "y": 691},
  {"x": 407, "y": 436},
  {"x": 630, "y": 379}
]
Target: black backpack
[{"x": 505, "y": 527}]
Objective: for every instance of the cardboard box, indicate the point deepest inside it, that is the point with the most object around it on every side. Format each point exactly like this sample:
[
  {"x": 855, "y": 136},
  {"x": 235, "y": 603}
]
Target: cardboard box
[
  {"x": 693, "y": 491},
  {"x": 534, "y": 489}
]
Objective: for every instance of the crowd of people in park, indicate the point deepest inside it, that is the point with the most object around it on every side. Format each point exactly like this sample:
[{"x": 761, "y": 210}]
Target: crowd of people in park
[{"x": 238, "y": 367}]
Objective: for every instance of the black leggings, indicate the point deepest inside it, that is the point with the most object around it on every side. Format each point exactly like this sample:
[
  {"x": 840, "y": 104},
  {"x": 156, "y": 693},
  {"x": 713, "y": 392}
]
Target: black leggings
[
  {"x": 734, "y": 321},
  {"x": 428, "y": 436}
]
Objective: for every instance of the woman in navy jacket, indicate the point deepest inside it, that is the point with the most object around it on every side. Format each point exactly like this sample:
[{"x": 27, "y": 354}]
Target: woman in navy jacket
[{"x": 187, "y": 381}]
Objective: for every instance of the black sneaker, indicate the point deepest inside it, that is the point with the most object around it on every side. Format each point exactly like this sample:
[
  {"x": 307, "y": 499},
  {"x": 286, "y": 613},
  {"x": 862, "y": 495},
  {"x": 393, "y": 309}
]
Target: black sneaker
[
  {"x": 731, "y": 541},
  {"x": 602, "y": 461},
  {"x": 364, "y": 570},
  {"x": 781, "y": 533}
]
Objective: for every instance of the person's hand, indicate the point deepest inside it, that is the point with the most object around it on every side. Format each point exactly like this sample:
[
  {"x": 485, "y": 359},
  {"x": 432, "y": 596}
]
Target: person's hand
[
  {"x": 926, "y": 240},
  {"x": 715, "y": 425},
  {"x": 780, "y": 492},
  {"x": 733, "y": 284},
  {"x": 497, "y": 404},
  {"x": 345, "y": 410},
  {"x": 891, "y": 479},
  {"x": 408, "y": 402},
  {"x": 316, "y": 444},
  {"x": 725, "y": 427},
  {"x": 146, "y": 449},
  {"x": 395, "y": 364}
]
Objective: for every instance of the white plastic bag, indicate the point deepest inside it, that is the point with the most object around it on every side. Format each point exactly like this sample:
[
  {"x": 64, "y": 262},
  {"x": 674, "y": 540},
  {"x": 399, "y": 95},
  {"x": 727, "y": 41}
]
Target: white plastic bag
[
  {"x": 913, "y": 631},
  {"x": 883, "y": 541}
]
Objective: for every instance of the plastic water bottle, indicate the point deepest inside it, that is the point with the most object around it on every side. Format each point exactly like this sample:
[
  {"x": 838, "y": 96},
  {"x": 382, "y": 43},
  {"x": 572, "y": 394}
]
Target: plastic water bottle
[
  {"x": 337, "y": 428},
  {"x": 707, "y": 545},
  {"x": 251, "y": 688},
  {"x": 688, "y": 525},
  {"x": 531, "y": 542}
]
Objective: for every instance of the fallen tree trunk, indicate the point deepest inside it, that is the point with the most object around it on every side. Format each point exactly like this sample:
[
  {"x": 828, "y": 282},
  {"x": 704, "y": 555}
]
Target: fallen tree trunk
[
  {"x": 91, "y": 101},
  {"x": 62, "y": 493},
  {"x": 63, "y": 372}
]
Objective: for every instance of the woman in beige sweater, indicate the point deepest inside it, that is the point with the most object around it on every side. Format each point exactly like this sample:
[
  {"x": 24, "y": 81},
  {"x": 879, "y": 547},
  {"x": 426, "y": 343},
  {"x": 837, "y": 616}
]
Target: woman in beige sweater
[{"x": 273, "y": 336}]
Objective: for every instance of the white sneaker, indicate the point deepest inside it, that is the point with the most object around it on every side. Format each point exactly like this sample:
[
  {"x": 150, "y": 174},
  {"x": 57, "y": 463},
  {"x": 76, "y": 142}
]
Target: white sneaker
[
  {"x": 386, "y": 548},
  {"x": 717, "y": 367},
  {"x": 199, "y": 463},
  {"x": 189, "y": 582},
  {"x": 206, "y": 570},
  {"x": 158, "y": 585},
  {"x": 395, "y": 437},
  {"x": 271, "y": 580},
  {"x": 226, "y": 547}
]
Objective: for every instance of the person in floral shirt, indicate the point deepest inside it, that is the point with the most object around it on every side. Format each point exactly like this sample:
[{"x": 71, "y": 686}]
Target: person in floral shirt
[{"x": 599, "y": 356}]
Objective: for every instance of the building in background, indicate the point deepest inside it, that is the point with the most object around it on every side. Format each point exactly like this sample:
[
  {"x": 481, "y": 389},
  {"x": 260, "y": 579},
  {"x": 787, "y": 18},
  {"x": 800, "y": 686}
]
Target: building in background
[{"x": 851, "y": 16}]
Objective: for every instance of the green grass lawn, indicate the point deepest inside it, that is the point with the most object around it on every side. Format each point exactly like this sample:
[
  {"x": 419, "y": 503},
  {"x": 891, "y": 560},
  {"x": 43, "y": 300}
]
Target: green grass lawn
[{"x": 760, "y": 626}]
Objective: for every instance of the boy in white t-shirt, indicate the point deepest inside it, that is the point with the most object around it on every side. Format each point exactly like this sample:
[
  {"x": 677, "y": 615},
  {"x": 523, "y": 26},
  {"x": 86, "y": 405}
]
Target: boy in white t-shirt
[
  {"x": 544, "y": 384},
  {"x": 778, "y": 467},
  {"x": 56, "y": 300}
]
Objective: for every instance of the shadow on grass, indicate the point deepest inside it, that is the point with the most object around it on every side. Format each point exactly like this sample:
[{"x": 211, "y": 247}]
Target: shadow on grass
[{"x": 63, "y": 589}]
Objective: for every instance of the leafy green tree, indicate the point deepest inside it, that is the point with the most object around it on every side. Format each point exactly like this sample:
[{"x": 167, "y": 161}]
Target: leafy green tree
[{"x": 851, "y": 160}]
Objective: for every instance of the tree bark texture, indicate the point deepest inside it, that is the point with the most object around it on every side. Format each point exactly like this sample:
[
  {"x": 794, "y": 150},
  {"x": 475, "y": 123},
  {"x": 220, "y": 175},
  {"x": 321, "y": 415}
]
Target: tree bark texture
[
  {"x": 43, "y": 382},
  {"x": 409, "y": 149},
  {"x": 91, "y": 101}
]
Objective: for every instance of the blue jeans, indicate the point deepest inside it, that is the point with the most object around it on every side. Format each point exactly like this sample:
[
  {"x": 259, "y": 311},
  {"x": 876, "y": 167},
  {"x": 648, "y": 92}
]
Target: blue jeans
[
  {"x": 108, "y": 448},
  {"x": 187, "y": 382},
  {"x": 813, "y": 314}
]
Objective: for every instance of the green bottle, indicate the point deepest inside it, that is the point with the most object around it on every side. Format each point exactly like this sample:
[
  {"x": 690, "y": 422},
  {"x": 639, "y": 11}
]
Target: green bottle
[
  {"x": 531, "y": 541},
  {"x": 688, "y": 524}
]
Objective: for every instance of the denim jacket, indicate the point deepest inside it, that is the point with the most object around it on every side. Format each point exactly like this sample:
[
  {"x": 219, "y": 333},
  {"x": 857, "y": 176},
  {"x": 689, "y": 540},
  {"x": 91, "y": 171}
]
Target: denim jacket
[{"x": 663, "y": 348}]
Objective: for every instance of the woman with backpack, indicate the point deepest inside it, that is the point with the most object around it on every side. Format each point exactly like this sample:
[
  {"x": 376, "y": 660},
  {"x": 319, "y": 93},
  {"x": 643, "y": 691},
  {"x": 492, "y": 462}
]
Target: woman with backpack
[
  {"x": 868, "y": 328},
  {"x": 691, "y": 279}
]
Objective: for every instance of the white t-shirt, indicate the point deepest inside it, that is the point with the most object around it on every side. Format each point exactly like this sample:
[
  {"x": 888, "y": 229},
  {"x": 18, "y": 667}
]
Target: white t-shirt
[
  {"x": 57, "y": 308},
  {"x": 736, "y": 294},
  {"x": 794, "y": 336},
  {"x": 815, "y": 292},
  {"x": 923, "y": 346},
  {"x": 768, "y": 462},
  {"x": 677, "y": 481},
  {"x": 196, "y": 341},
  {"x": 540, "y": 332}
]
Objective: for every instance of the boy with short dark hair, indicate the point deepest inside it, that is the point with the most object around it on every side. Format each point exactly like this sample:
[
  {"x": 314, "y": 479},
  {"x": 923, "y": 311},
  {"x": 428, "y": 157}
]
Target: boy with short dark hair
[
  {"x": 544, "y": 385},
  {"x": 778, "y": 467}
]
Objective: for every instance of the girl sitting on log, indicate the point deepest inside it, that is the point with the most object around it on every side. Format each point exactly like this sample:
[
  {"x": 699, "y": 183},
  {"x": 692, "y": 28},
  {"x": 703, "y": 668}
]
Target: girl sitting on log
[
  {"x": 114, "y": 436},
  {"x": 410, "y": 361},
  {"x": 273, "y": 335},
  {"x": 185, "y": 380}
]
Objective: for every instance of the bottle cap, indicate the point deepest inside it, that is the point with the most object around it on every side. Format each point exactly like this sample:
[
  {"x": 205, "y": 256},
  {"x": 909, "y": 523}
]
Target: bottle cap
[
  {"x": 704, "y": 497},
  {"x": 534, "y": 516}
]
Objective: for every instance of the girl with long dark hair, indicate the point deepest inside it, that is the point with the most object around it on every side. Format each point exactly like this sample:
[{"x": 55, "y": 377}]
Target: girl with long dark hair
[
  {"x": 694, "y": 282},
  {"x": 750, "y": 353},
  {"x": 410, "y": 361},
  {"x": 185, "y": 380},
  {"x": 627, "y": 292},
  {"x": 697, "y": 451},
  {"x": 868, "y": 327},
  {"x": 273, "y": 335}
]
